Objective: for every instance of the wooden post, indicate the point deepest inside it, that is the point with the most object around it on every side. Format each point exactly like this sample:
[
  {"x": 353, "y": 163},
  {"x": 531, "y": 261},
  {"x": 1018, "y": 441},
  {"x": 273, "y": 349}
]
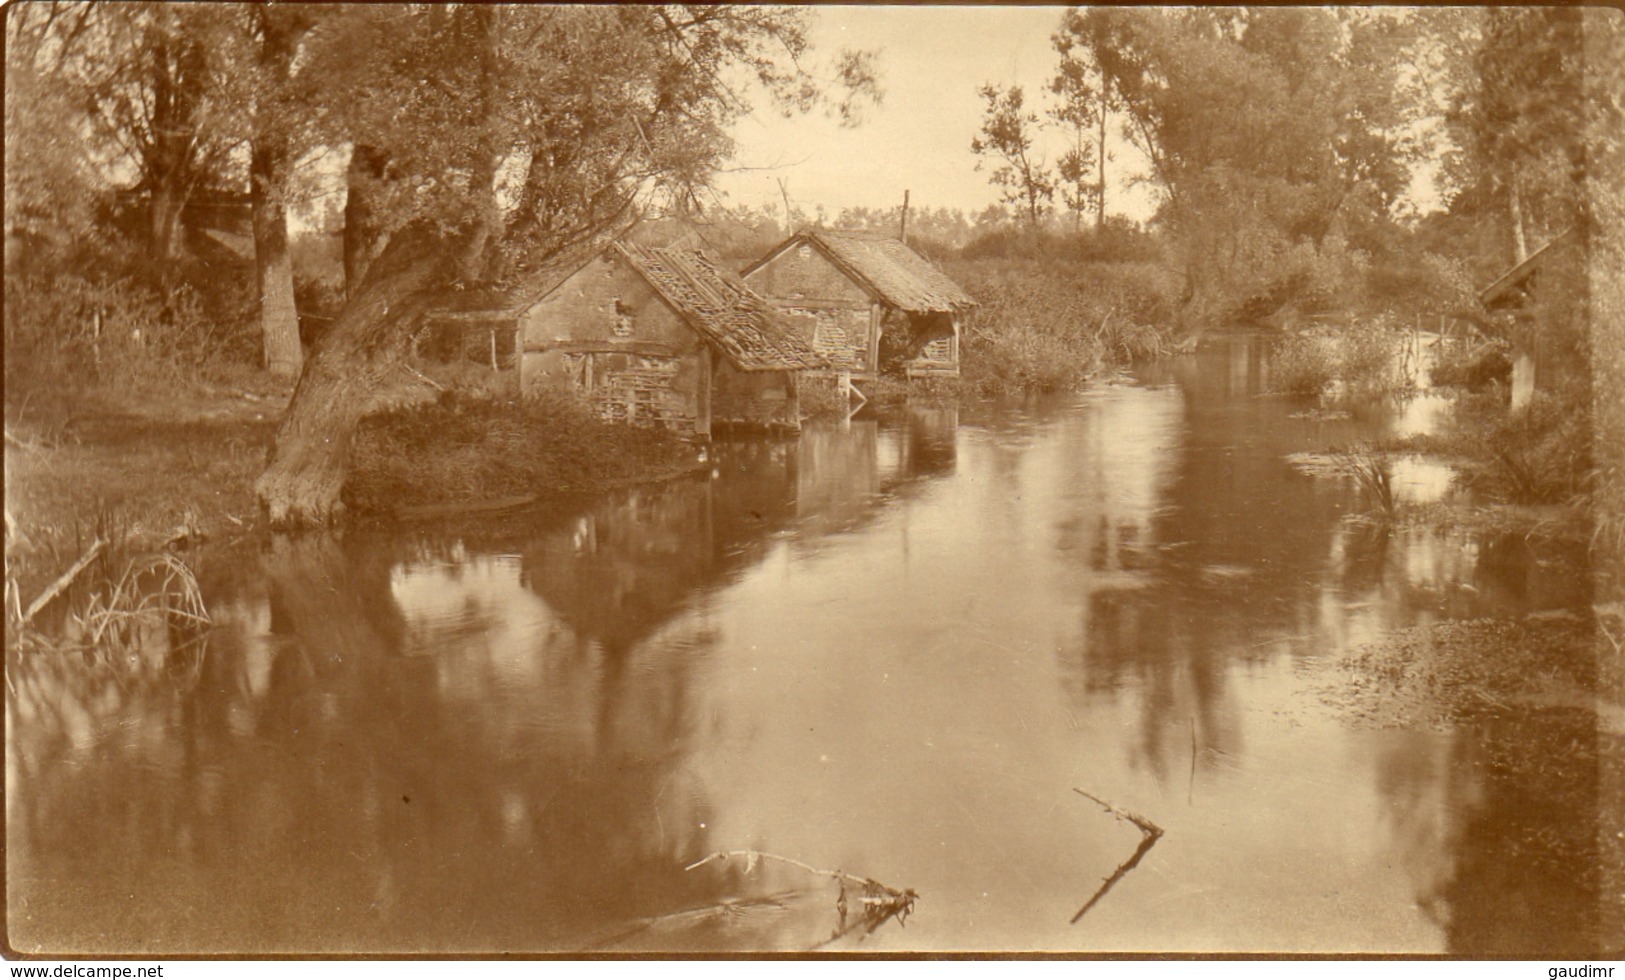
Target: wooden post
[
  {"x": 902, "y": 230},
  {"x": 792, "y": 384},
  {"x": 494, "y": 366}
]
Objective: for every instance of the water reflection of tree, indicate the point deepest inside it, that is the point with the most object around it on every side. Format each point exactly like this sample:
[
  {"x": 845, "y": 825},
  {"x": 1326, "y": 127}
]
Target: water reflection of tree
[
  {"x": 1217, "y": 555},
  {"x": 1506, "y": 859},
  {"x": 355, "y": 799},
  {"x": 402, "y": 746}
]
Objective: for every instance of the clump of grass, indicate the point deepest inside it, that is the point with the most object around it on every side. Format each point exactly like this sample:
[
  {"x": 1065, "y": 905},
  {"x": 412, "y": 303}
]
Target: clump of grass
[
  {"x": 1358, "y": 356},
  {"x": 158, "y": 588},
  {"x": 1542, "y": 454},
  {"x": 1048, "y": 325},
  {"x": 823, "y": 397},
  {"x": 1009, "y": 357},
  {"x": 461, "y": 448},
  {"x": 103, "y": 594},
  {"x": 1370, "y": 472},
  {"x": 1367, "y": 466},
  {"x": 1303, "y": 364},
  {"x": 1367, "y": 360}
]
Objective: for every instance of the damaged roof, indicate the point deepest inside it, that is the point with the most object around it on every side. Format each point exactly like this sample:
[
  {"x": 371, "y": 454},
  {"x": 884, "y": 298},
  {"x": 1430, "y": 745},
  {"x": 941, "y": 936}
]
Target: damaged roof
[
  {"x": 895, "y": 273},
  {"x": 725, "y": 311},
  {"x": 1521, "y": 272}
]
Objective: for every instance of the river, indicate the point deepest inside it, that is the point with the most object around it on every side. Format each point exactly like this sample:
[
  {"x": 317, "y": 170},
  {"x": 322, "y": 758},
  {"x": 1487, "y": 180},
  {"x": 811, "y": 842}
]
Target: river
[{"x": 901, "y": 647}]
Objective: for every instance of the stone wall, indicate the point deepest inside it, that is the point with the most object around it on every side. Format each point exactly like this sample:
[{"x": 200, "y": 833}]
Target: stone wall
[
  {"x": 802, "y": 272},
  {"x": 606, "y": 333},
  {"x": 822, "y": 305},
  {"x": 766, "y": 398}
]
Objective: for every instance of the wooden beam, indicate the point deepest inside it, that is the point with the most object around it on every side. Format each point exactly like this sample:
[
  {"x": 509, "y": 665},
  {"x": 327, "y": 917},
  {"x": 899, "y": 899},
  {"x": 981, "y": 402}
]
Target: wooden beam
[{"x": 645, "y": 348}]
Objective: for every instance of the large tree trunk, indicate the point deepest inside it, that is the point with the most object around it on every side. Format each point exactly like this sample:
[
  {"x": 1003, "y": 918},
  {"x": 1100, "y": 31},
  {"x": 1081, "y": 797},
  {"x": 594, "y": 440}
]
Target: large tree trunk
[
  {"x": 1100, "y": 187},
  {"x": 1520, "y": 244},
  {"x": 273, "y": 264},
  {"x": 164, "y": 223},
  {"x": 270, "y": 163},
  {"x": 364, "y": 207},
  {"x": 349, "y": 367}
]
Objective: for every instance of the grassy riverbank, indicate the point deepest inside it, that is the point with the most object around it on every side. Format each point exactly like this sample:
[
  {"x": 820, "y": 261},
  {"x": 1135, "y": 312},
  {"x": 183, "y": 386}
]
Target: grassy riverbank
[
  {"x": 152, "y": 472},
  {"x": 143, "y": 470}
]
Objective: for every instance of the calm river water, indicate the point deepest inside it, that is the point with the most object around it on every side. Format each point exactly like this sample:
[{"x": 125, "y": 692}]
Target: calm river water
[{"x": 894, "y": 647}]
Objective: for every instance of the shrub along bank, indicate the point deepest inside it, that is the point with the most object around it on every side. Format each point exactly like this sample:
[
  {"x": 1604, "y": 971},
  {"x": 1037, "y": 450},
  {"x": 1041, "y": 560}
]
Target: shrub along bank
[
  {"x": 464, "y": 448},
  {"x": 1047, "y": 325}
]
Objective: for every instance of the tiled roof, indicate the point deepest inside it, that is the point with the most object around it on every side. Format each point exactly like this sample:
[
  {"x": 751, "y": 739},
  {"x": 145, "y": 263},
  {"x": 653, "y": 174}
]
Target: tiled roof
[
  {"x": 725, "y": 311},
  {"x": 900, "y": 276}
]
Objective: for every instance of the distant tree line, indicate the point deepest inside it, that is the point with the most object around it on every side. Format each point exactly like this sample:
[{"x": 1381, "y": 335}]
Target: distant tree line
[
  {"x": 156, "y": 152},
  {"x": 1282, "y": 142}
]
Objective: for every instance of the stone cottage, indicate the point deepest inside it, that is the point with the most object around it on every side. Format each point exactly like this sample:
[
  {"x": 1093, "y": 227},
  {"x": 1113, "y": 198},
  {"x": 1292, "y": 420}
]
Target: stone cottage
[
  {"x": 665, "y": 336},
  {"x": 865, "y": 302}
]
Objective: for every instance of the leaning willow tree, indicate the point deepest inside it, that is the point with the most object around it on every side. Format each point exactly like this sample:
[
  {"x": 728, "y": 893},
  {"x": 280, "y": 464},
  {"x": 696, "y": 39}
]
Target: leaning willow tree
[{"x": 489, "y": 139}]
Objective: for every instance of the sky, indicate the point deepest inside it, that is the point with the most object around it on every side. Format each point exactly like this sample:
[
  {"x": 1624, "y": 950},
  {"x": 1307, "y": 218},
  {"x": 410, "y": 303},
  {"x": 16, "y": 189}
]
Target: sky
[{"x": 932, "y": 60}]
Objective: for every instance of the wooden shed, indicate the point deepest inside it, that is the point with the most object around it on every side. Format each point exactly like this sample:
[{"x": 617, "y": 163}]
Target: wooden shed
[
  {"x": 665, "y": 336},
  {"x": 1543, "y": 299},
  {"x": 866, "y": 302}
]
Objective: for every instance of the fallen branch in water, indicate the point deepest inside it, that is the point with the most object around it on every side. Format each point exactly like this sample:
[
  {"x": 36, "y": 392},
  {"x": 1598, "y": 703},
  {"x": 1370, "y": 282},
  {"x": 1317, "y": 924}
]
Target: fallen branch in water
[
  {"x": 695, "y": 916},
  {"x": 751, "y": 857},
  {"x": 65, "y": 580},
  {"x": 1149, "y": 833},
  {"x": 1146, "y": 827},
  {"x": 879, "y": 902}
]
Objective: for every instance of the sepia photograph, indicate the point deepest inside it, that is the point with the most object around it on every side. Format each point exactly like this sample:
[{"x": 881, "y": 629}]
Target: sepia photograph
[{"x": 625, "y": 481}]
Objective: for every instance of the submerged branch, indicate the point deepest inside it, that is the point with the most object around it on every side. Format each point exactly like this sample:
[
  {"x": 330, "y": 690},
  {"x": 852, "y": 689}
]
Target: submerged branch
[
  {"x": 689, "y": 917},
  {"x": 879, "y": 903},
  {"x": 64, "y": 581},
  {"x": 1146, "y": 827},
  {"x": 1146, "y": 844},
  {"x": 1149, "y": 834},
  {"x": 751, "y": 857}
]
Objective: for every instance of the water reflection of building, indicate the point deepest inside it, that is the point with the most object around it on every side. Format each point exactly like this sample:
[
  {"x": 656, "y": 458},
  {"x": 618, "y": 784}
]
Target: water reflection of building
[
  {"x": 619, "y": 570},
  {"x": 636, "y": 560}
]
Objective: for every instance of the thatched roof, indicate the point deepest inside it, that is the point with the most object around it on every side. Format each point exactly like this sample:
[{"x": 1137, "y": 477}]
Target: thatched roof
[
  {"x": 721, "y": 308},
  {"x": 896, "y": 274}
]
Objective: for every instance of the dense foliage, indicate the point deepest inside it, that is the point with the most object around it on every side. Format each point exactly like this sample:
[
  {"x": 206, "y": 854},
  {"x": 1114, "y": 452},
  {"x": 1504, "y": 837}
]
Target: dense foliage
[{"x": 156, "y": 154}]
